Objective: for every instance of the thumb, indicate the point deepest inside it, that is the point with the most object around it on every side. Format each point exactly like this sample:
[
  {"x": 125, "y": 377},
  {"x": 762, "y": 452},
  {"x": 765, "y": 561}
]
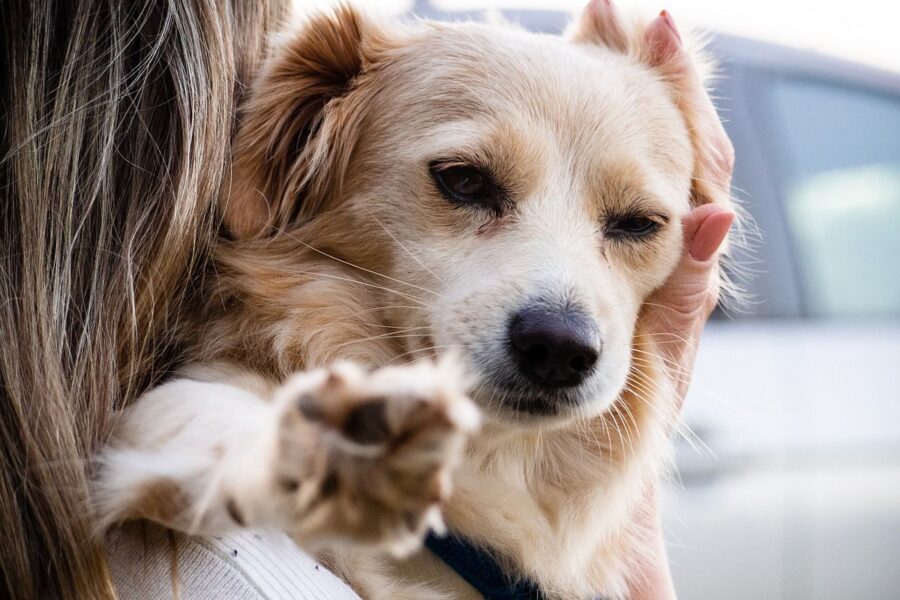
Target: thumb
[
  {"x": 705, "y": 229},
  {"x": 688, "y": 292}
]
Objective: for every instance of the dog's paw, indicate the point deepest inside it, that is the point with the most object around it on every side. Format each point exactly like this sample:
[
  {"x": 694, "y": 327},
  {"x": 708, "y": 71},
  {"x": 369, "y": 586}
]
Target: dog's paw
[{"x": 379, "y": 464}]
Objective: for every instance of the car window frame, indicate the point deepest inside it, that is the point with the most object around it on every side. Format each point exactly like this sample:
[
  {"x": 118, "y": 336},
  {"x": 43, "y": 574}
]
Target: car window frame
[
  {"x": 772, "y": 283},
  {"x": 763, "y": 114}
]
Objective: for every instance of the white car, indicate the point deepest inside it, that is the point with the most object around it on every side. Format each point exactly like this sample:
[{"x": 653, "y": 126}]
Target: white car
[{"x": 793, "y": 490}]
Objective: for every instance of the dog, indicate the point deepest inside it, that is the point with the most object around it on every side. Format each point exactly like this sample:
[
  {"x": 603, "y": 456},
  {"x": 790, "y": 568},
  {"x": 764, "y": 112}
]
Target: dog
[{"x": 440, "y": 239}]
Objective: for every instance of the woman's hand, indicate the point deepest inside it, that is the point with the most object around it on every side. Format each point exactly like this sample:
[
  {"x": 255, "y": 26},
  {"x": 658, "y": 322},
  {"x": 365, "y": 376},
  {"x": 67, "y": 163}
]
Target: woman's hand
[
  {"x": 675, "y": 315},
  {"x": 677, "y": 312}
]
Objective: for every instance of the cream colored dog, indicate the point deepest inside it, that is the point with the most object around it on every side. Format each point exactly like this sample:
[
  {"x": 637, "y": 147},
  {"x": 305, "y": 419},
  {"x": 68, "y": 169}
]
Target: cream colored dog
[{"x": 401, "y": 191}]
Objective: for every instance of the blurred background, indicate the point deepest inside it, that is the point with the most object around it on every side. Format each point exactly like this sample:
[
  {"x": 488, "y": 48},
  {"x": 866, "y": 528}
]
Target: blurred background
[{"x": 789, "y": 484}]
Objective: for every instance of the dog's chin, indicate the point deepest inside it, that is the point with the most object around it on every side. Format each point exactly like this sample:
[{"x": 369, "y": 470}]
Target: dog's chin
[{"x": 522, "y": 408}]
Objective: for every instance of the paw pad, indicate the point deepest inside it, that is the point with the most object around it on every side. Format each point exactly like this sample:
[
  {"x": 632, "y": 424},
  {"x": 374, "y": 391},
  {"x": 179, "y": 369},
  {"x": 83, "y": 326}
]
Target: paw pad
[{"x": 367, "y": 423}]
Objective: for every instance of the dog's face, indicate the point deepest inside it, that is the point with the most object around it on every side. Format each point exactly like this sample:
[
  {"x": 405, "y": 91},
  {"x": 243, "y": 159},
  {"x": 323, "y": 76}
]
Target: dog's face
[
  {"x": 542, "y": 183},
  {"x": 527, "y": 190}
]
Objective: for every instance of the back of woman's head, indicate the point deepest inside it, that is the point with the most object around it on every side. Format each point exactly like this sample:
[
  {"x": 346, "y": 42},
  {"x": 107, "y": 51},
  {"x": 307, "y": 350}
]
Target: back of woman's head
[{"x": 115, "y": 128}]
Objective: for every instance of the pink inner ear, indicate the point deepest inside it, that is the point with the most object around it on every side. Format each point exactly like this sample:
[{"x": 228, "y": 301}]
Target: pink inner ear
[{"x": 662, "y": 40}]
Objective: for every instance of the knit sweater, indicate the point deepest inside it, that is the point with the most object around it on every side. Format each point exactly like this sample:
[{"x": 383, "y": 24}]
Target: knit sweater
[{"x": 149, "y": 562}]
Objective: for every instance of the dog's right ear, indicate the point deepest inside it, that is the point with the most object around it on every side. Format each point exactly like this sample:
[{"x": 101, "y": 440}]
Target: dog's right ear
[
  {"x": 299, "y": 125},
  {"x": 659, "y": 45},
  {"x": 599, "y": 24}
]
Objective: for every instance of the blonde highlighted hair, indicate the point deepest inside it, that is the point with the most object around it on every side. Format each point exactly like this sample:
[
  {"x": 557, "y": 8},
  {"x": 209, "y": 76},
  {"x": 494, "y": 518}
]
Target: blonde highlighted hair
[{"x": 117, "y": 120}]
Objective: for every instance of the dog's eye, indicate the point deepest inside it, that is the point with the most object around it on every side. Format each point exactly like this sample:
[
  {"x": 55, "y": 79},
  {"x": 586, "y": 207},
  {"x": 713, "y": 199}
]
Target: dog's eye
[
  {"x": 634, "y": 227},
  {"x": 465, "y": 184}
]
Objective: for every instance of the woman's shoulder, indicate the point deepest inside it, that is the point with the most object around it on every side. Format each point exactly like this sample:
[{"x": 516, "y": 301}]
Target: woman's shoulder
[{"x": 149, "y": 561}]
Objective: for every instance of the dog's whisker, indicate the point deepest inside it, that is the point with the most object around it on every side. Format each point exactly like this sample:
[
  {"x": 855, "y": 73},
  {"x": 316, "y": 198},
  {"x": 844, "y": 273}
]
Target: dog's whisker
[
  {"x": 384, "y": 336},
  {"x": 653, "y": 336},
  {"x": 613, "y": 422},
  {"x": 658, "y": 343},
  {"x": 354, "y": 318},
  {"x": 357, "y": 281},
  {"x": 426, "y": 349},
  {"x": 394, "y": 327},
  {"x": 382, "y": 308},
  {"x": 647, "y": 389},
  {"x": 674, "y": 335},
  {"x": 595, "y": 442},
  {"x": 355, "y": 266},
  {"x": 645, "y": 395},
  {"x": 670, "y": 365},
  {"x": 671, "y": 355},
  {"x": 636, "y": 435},
  {"x": 678, "y": 374},
  {"x": 625, "y": 411},
  {"x": 654, "y": 386},
  {"x": 623, "y": 439},
  {"x": 405, "y": 249},
  {"x": 690, "y": 436}
]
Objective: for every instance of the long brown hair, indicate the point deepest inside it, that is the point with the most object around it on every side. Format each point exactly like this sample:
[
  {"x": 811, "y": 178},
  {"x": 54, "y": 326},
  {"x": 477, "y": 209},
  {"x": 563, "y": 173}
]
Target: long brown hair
[{"x": 115, "y": 128}]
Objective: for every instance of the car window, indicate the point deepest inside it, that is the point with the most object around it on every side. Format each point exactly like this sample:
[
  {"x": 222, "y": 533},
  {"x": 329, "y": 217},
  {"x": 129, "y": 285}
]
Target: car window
[{"x": 841, "y": 175}]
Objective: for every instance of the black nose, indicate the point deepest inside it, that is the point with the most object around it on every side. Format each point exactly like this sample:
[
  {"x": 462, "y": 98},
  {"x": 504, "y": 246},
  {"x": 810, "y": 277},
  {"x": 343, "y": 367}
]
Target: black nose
[{"x": 554, "y": 348}]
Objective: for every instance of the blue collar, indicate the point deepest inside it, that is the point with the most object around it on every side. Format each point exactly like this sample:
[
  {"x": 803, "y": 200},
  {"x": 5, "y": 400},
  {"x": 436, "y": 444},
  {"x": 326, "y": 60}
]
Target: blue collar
[{"x": 480, "y": 569}]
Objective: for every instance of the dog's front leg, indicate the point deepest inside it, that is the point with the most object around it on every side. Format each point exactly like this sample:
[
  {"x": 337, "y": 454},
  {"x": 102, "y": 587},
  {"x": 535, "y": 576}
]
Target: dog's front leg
[{"x": 339, "y": 455}]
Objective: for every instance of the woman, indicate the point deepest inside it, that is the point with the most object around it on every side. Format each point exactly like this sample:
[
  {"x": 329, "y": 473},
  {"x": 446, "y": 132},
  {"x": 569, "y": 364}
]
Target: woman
[{"x": 115, "y": 141}]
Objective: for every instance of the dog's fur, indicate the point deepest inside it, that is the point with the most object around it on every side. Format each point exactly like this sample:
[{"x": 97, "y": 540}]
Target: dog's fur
[{"x": 344, "y": 257}]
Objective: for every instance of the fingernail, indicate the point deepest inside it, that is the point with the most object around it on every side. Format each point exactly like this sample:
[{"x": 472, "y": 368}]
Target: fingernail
[
  {"x": 667, "y": 17},
  {"x": 710, "y": 236}
]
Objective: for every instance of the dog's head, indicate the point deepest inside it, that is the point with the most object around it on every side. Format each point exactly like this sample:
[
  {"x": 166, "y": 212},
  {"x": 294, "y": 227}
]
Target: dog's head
[{"x": 522, "y": 193}]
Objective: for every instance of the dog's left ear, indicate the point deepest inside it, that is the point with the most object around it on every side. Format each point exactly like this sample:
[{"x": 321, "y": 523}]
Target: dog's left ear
[
  {"x": 662, "y": 48},
  {"x": 299, "y": 125},
  {"x": 659, "y": 46}
]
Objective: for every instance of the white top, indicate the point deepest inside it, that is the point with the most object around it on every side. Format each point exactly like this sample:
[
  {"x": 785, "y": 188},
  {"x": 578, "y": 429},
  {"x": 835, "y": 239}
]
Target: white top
[{"x": 150, "y": 562}]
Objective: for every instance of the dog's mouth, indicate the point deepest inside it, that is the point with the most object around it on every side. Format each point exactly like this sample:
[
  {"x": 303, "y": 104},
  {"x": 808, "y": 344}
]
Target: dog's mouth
[
  {"x": 505, "y": 394},
  {"x": 537, "y": 403}
]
